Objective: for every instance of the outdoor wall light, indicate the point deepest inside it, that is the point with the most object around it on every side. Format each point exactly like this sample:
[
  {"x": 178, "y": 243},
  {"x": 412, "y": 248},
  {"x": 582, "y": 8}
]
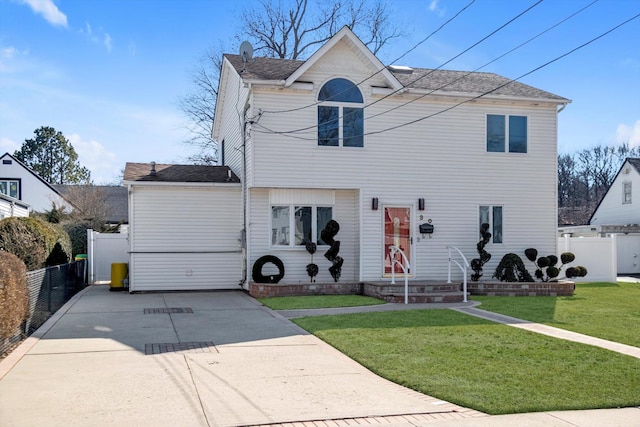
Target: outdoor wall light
[
  {"x": 421, "y": 204},
  {"x": 374, "y": 204}
]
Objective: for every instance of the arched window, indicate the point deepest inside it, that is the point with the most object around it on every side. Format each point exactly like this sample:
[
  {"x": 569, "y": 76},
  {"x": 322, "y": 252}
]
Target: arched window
[{"x": 340, "y": 118}]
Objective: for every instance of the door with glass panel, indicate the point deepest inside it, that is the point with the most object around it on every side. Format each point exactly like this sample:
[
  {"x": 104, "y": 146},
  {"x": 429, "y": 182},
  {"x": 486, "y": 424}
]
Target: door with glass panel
[{"x": 397, "y": 232}]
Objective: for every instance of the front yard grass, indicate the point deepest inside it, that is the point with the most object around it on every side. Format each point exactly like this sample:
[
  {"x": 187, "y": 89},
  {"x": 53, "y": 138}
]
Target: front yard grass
[
  {"x": 609, "y": 311},
  {"x": 482, "y": 365},
  {"x": 318, "y": 301}
]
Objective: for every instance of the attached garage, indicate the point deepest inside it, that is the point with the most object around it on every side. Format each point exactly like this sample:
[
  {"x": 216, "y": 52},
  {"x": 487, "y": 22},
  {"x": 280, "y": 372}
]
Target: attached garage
[{"x": 185, "y": 225}]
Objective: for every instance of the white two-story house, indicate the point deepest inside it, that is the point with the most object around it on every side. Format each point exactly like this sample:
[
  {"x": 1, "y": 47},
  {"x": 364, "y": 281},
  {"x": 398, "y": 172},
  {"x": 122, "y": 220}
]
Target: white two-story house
[{"x": 412, "y": 158}]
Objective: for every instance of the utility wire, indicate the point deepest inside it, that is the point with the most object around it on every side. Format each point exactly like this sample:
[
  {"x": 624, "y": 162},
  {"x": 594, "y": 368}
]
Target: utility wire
[
  {"x": 379, "y": 71},
  {"x": 479, "y": 96},
  {"x": 511, "y": 81},
  {"x": 486, "y": 64},
  {"x": 435, "y": 69}
]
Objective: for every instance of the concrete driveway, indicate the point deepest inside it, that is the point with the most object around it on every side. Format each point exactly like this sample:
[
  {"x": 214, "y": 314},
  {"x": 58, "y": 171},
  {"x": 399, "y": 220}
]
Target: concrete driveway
[{"x": 191, "y": 359}]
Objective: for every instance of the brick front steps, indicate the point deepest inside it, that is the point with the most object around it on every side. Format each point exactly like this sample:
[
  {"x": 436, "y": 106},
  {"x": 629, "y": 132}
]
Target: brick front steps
[{"x": 419, "y": 291}]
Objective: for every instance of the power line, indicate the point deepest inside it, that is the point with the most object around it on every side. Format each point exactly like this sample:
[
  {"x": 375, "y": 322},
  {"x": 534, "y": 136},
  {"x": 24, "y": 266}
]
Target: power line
[
  {"x": 431, "y": 71},
  {"x": 392, "y": 62},
  {"x": 510, "y": 81},
  {"x": 481, "y": 95}
]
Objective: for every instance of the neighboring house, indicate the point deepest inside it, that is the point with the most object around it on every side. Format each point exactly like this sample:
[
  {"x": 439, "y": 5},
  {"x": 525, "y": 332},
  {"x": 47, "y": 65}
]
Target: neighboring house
[
  {"x": 10, "y": 206},
  {"x": 111, "y": 200},
  {"x": 618, "y": 213},
  {"x": 621, "y": 203},
  {"x": 414, "y": 158},
  {"x": 20, "y": 182}
]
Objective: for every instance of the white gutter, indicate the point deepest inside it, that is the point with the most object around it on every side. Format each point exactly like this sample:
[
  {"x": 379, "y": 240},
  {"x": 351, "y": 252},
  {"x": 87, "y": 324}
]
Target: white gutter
[{"x": 181, "y": 184}]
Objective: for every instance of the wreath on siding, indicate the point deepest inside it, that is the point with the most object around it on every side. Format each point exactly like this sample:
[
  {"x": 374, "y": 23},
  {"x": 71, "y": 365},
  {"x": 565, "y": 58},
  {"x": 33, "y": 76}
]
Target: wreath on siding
[{"x": 256, "y": 271}]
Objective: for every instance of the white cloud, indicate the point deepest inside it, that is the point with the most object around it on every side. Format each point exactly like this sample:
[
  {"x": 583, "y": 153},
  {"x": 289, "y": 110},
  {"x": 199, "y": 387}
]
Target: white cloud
[
  {"x": 132, "y": 48},
  {"x": 630, "y": 134},
  {"x": 107, "y": 42},
  {"x": 95, "y": 157},
  {"x": 8, "y": 146},
  {"x": 98, "y": 37},
  {"x": 435, "y": 8},
  {"x": 49, "y": 11}
]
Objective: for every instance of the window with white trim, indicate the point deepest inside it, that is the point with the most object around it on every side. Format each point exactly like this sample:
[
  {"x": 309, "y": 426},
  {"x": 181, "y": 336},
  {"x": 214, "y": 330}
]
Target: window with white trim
[
  {"x": 492, "y": 215},
  {"x": 341, "y": 114},
  {"x": 506, "y": 133},
  {"x": 10, "y": 187},
  {"x": 626, "y": 193},
  {"x": 294, "y": 225}
]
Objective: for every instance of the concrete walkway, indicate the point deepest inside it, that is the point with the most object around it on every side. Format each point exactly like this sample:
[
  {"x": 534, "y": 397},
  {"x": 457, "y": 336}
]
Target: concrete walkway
[{"x": 215, "y": 359}]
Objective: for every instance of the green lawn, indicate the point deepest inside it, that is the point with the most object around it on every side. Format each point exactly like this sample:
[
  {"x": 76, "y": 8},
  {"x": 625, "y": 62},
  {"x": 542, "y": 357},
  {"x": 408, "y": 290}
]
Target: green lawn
[
  {"x": 605, "y": 310},
  {"x": 318, "y": 301},
  {"x": 479, "y": 364}
]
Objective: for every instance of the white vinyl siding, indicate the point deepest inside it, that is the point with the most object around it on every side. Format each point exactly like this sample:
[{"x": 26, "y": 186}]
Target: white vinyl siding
[
  {"x": 185, "y": 238},
  {"x": 296, "y": 258}
]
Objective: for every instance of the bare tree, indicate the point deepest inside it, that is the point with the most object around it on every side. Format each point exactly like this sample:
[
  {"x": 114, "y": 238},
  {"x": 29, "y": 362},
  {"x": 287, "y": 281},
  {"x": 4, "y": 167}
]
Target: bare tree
[
  {"x": 585, "y": 177},
  {"x": 289, "y": 29},
  {"x": 291, "y": 32}
]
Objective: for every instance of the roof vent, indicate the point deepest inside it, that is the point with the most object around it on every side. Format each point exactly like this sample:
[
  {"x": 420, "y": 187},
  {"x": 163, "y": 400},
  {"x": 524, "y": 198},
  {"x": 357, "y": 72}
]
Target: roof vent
[
  {"x": 400, "y": 69},
  {"x": 153, "y": 169}
]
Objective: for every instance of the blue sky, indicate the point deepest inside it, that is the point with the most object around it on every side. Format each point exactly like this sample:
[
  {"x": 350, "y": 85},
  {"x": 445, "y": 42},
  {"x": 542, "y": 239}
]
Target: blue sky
[{"x": 109, "y": 74}]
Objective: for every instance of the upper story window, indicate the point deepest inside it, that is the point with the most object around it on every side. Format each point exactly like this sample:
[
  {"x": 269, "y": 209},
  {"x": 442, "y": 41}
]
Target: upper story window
[
  {"x": 341, "y": 115},
  {"x": 10, "y": 187},
  {"x": 626, "y": 193},
  {"x": 506, "y": 134}
]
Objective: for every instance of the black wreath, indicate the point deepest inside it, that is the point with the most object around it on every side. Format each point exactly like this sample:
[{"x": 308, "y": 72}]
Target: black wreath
[{"x": 256, "y": 272}]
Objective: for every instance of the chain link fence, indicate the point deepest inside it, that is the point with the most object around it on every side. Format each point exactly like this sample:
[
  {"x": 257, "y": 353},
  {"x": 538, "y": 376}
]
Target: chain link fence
[{"x": 49, "y": 289}]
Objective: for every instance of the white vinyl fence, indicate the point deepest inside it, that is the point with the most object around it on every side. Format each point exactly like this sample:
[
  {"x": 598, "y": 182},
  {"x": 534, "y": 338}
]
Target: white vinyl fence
[
  {"x": 596, "y": 254},
  {"x": 104, "y": 249}
]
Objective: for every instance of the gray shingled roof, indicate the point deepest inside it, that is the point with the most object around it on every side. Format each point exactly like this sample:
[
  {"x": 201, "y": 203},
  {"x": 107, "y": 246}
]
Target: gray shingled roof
[
  {"x": 116, "y": 198},
  {"x": 179, "y": 173},
  {"x": 472, "y": 83},
  {"x": 635, "y": 162}
]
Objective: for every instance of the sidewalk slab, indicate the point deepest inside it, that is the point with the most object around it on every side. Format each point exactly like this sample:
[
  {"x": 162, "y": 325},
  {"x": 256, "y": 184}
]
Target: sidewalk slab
[{"x": 551, "y": 331}]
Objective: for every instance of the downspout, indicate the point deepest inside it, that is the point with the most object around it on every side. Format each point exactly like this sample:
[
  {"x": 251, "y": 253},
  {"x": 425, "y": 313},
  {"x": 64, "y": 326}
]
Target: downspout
[{"x": 245, "y": 191}]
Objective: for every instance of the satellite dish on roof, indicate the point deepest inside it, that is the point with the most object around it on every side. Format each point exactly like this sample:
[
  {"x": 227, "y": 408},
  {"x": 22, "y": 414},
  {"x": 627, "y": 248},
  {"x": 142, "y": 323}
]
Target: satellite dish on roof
[{"x": 246, "y": 51}]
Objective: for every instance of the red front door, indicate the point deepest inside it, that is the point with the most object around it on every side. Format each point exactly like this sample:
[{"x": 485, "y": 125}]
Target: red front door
[{"x": 397, "y": 232}]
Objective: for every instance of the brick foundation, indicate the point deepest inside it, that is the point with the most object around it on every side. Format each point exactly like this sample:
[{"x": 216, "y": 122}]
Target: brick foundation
[{"x": 521, "y": 289}]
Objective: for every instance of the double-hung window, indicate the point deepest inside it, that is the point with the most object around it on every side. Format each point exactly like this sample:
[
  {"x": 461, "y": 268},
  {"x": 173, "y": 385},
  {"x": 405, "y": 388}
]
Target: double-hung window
[
  {"x": 340, "y": 114},
  {"x": 506, "y": 134},
  {"x": 492, "y": 215},
  {"x": 10, "y": 187},
  {"x": 295, "y": 225},
  {"x": 626, "y": 193}
]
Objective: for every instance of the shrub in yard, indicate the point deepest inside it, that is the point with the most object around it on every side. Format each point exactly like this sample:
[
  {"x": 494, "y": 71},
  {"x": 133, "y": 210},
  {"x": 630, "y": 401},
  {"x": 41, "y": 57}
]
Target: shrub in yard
[
  {"x": 512, "y": 269},
  {"x": 478, "y": 263},
  {"x": 77, "y": 231},
  {"x": 14, "y": 296},
  {"x": 578, "y": 271},
  {"x": 546, "y": 268},
  {"x": 36, "y": 242}
]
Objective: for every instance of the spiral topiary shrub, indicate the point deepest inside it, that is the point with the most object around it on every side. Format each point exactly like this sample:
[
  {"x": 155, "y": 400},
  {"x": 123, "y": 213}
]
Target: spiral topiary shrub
[
  {"x": 14, "y": 295},
  {"x": 478, "y": 263}
]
